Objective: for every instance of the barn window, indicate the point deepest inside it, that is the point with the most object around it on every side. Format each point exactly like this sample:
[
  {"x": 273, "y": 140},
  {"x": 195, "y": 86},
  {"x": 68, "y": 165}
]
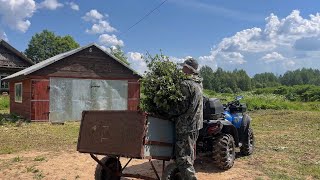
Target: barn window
[
  {"x": 3, "y": 85},
  {"x": 18, "y": 92}
]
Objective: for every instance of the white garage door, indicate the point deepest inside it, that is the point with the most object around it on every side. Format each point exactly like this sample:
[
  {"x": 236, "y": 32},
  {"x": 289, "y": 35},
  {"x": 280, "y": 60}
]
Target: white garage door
[{"x": 69, "y": 97}]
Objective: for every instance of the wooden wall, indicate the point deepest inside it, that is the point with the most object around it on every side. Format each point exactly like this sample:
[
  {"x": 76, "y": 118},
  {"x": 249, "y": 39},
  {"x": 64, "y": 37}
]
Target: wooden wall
[
  {"x": 24, "y": 108},
  {"x": 86, "y": 64},
  {"x": 9, "y": 59},
  {"x": 91, "y": 64}
]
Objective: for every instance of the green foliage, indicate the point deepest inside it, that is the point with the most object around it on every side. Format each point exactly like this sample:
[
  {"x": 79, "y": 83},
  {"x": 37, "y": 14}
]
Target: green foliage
[
  {"x": 118, "y": 53},
  {"x": 265, "y": 80},
  {"x": 40, "y": 158},
  {"x": 4, "y": 102},
  {"x": 225, "y": 81},
  {"x": 161, "y": 85},
  {"x": 305, "y": 93},
  {"x": 238, "y": 80},
  {"x": 46, "y": 44},
  {"x": 256, "y": 101},
  {"x": 301, "y": 77},
  {"x": 17, "y": 159}
]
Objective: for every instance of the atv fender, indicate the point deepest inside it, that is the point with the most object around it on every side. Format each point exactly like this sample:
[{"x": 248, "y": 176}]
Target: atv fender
[
  {"x": 229, "y": 128},
  {"x": 246, "y": 120}
]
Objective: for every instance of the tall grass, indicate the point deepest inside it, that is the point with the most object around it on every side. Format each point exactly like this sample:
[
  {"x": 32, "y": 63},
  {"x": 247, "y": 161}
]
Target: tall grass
[
  {"x": 4, "y": 102},
  {"x": 266, "y": 101}
]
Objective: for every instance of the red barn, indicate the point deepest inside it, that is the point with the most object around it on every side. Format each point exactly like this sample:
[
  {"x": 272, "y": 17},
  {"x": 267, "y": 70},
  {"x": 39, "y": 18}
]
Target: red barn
[{"x": 60, "y": 88}]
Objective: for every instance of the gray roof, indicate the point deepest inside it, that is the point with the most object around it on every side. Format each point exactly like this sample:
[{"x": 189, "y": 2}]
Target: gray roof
[
  {"x": 14, "y": 50},
  {"x": 58, "y": 57}
]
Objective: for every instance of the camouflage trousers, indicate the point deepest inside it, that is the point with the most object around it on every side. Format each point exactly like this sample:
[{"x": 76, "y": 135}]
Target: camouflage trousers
[{"x": 185, "y": 154}]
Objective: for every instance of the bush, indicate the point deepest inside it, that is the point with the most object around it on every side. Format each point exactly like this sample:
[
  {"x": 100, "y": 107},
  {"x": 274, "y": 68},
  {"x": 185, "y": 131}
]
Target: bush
[
  {"x": 305, "y": 93},
  {"x": 4, "y": 102},
  {"x": 161, "y": 85},
  {"x": 266, "y": 101}
]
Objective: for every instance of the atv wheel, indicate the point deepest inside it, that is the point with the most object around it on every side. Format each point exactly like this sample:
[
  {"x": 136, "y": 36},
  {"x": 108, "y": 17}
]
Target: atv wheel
[
  {"x": 114, "y": 167},
  {"x": 224, "y": 151},
  {"x": 171, "y": 173},
  {"x": 248, "y": 145}
]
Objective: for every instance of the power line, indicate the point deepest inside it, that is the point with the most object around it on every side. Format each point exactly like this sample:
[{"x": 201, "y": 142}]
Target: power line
[{"x": 145, "y": 16}]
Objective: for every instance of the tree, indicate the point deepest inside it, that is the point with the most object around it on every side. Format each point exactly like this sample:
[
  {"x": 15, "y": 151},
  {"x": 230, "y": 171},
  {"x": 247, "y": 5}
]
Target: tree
[
  {"x": 207, "y": 74},
  {"x": 118, "y": 53},
  {"x": 46, "y": 44}
]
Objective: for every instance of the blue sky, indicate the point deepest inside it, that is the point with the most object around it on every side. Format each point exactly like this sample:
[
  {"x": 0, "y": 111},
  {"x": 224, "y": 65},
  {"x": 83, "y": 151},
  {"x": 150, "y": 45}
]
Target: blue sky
[{"x": 258, "y": 36}]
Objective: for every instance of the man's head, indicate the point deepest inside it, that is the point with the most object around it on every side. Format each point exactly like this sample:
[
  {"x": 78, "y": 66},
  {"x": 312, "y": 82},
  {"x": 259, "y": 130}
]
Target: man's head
[{"x": 190, "y": 66}]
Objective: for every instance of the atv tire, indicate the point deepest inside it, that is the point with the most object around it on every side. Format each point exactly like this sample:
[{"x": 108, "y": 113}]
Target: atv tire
[
  {"x": 171, "y": 172},
  {"x": 247, "y": 146},
  {"x": 114, "y": 171},
  {"x": 224, "y": 151}
]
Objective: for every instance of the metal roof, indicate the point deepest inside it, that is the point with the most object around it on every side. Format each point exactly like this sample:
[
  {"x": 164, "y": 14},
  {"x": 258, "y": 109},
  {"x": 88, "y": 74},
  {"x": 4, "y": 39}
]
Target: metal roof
[
  {"x": 58, "y": 57},
  {"x": 14, "y": 50}
]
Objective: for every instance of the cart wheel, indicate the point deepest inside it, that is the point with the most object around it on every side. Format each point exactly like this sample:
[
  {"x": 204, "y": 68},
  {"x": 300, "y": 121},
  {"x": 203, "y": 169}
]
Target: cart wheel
[
  {"x": 171, "y": 172},
  {"x": 114, "y": 166}
]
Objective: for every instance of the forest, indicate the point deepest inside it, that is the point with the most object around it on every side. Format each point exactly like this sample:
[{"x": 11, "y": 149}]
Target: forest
[{"x": 298, "y": 85}]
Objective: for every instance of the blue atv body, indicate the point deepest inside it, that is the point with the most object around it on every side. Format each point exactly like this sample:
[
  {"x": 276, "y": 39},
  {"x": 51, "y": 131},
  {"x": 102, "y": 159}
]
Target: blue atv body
[{"x": 235, "y": 118}]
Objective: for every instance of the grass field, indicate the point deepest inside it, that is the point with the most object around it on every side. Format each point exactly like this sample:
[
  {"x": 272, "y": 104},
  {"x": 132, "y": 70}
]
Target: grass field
[
  {"x": 266, "y": 101},
  {"x": 287, "y": 142}
]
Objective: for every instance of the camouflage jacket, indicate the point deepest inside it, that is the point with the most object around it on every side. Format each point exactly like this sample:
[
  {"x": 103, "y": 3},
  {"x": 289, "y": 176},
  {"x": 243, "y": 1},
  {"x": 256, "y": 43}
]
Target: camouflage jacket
[{"x": 190, "y": 110}]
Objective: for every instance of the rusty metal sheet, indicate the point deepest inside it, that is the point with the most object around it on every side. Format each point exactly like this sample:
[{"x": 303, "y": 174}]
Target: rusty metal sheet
[{"x": 112, "y": 133}]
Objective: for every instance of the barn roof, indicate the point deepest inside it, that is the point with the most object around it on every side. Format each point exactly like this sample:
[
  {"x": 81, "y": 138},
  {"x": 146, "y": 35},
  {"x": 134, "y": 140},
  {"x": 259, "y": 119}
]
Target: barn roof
[
  {"x": 15, "y": 51},
  {"x": 58, "y": 57}
]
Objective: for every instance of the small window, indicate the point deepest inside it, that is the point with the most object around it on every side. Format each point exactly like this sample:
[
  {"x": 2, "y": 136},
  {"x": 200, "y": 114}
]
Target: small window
[
  {"x": 3, "y": 85},
  {"x": 18, "y": 92}
]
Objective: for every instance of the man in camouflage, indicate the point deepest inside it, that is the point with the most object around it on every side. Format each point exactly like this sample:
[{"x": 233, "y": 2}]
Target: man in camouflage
[{"x": 190, "y": 121}]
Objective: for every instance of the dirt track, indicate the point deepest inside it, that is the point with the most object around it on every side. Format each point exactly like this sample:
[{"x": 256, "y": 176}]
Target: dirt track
[{"x": 72, "y": 165}]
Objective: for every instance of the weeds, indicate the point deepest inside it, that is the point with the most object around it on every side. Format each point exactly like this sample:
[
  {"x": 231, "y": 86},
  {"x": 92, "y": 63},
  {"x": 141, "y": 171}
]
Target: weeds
[
  {"x": 39, "y": 158},
  {"x": 17, "y": 159},
  {"x": 38, "y": 176}
]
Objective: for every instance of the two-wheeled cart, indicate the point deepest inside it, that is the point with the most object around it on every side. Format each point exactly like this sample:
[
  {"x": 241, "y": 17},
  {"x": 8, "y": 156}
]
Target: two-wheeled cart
[{"x": 130, "y": 134}]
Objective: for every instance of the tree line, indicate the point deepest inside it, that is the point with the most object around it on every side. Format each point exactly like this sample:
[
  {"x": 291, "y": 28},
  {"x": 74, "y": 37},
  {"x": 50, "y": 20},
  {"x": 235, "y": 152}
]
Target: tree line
[
  {"x": 47, "y": 44},
  {"x": 238, "y": 80}
]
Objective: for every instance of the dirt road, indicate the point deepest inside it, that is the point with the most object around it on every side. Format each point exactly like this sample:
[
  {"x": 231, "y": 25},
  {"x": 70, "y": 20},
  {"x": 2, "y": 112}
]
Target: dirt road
[{"x": 70, "y": 165}]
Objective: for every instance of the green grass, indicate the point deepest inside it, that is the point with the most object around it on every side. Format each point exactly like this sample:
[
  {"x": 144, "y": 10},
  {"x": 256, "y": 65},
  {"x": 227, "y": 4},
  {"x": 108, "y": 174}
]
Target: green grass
[
  {"x": 38, "y": 136},
  {"x": 40, "y": 158},
  {"x": 287, "y": 144},
  {"x": 4, "y": 102},
  {"x": 266, "y": 101}
]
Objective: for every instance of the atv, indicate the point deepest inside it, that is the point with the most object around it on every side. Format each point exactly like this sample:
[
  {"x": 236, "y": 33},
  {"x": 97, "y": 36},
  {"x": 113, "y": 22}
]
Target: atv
[{"x": 225, "y": 127}]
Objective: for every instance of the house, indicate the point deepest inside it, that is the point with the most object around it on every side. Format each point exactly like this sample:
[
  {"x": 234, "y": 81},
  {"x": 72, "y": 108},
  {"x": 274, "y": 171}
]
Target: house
[
  {"x": 60, "y": 88},
  {"x": 11, "y": 61}
]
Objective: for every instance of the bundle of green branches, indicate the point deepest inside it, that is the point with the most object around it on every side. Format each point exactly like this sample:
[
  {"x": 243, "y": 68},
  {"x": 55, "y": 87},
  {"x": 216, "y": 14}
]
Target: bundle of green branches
[{"x": 161, "y": 87}]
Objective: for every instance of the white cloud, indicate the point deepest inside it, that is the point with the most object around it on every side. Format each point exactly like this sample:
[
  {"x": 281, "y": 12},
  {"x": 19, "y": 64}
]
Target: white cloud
[
  {"x": 15, "y": 14},
  {"x": 137, "y": 62},
  {"x": 93, "y": 16},
  {"x": 110, "y": 40},
  {"x": 272, "y": 57},
  {"x": 293, "y": 36},
  {"x": 101, "y": 27},
  {"x": 50, "y": 4},
  {"x": 3, "y": 35},
  {"x": 73, "y": 6},
  {"x": 233, "y": 57}
]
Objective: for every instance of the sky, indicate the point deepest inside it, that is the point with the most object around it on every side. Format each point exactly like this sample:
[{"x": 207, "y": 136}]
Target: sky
[{"x": 257, "y": 36}]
